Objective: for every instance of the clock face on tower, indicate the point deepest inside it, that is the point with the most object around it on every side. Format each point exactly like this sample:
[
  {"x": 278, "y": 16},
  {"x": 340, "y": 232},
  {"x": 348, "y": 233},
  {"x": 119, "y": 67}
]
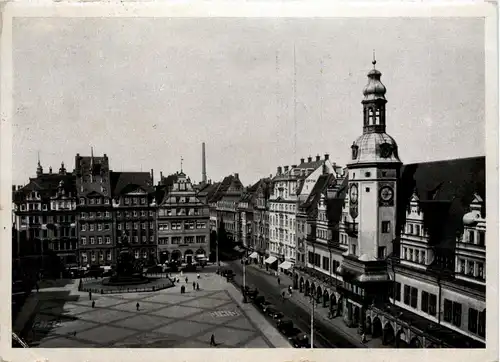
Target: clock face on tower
[
  {"x": 386, "y": 195},
  {"x": 353, "y": 193}
]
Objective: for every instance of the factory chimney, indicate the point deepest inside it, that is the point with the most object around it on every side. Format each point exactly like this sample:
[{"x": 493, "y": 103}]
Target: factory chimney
[{"x": 203, "y": 165}]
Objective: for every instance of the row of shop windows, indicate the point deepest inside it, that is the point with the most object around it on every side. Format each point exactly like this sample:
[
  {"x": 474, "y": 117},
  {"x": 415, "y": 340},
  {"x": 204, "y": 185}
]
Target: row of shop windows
[
  {"x": 322, "y": 262},
  {"x": 452, "y": 311},
  {"x": 188, "y": 225},
  {"x": 179, "y": 211},
  {"x": 471, "y": 268},
  {"x": 128, "y": 226},
  {"x": 470, "y": 237},
  {"x": 66, "y": 232},
  {"x": 199, "y": 239},
  {"x": 414, "y": 255},
  {"x": 54, "y": 205},
  {"x": 107, "y": 255},
  {"x": 92, "y": 240},
  {"x": 282, "y": 207},
  {"x": 47, "y": 219},
  {"x": 95, "y": 200},
  {"x": 98, "y": 227},
  {"x": 99, "y": 214},
  {"x": 284, "y": 249}
]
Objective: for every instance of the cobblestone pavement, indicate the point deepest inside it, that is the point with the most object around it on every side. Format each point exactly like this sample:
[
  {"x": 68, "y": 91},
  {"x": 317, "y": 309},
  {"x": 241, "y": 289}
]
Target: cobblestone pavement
[{"x": 165, "y": 319}]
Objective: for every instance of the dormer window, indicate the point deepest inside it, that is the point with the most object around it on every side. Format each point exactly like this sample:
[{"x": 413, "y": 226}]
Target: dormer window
[
  {"x": 370, "y": 116},
  {"x": 82, "y": 201},
  {"x": 355, "y": 150}
]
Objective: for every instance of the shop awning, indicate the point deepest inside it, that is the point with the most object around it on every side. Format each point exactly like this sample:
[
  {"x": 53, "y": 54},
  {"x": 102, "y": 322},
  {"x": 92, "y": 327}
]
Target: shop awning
[
  {"x": 254, "y": 255},
  {"x": 285, "y": 265},
  {"x": 270, "y": 260}
]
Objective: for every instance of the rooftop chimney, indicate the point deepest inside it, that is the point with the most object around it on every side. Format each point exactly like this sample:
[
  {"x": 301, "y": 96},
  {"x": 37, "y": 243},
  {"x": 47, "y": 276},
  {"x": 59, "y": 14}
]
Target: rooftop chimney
[
  {"x": 309, "y": 159},
  {"x": 318, "y": 158},
  {"x": 50, "y": 170},
  {"x": 302, "y": 160},
  {"x": 278, "y": 172},
  {"x": 294, "y": 166},
  {"x": 327, "y": 156},
  {"x": 152, "y": 178},
  {"x": 237, "y": 175},
  {"x": 286, "y": 168},
  {"x": 203, "y": 165}
]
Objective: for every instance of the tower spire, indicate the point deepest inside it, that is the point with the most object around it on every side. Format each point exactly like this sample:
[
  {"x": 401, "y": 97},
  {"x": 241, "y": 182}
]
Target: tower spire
[
  {"x": 374, "y": 61},
  {"x": 181, "y": 163},
  {"x": 374, "y": 102},
  {"x": 39, "y": 168}
]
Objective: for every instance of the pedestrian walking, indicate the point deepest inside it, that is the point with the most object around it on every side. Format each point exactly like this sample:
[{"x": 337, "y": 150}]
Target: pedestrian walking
[
  {"x": 279, "y": 281},
  {"x": 197, "y": 286},
  {"x": 93, "y": 304},
  {"x": 198, "y": 275},
  {"x": 90, "y": 295},
  {"x": 363, "y": 338},
  {"x": 186, "y": 280},
  {"x": 137, "y": 306},
  {"x": 212, "y": 340},
  {"x": 194, "y": 286}
]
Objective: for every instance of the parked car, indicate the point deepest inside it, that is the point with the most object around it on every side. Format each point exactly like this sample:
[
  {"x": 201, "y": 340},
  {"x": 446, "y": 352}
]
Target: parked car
[
  {"x": 274, "y": 314},
  {"x": 267, "y": 306},
  {"x": 227, "y": 272},
  {"x": 259, "y": 300},
  {"x": 287, "y": 328},
  {"x": 251, "y": 292},
  {"x": 301, "y": 340}
]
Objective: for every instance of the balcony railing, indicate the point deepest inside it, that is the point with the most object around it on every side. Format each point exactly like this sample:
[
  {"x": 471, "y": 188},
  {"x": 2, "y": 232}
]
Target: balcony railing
[{"x": 351, "y": 228}]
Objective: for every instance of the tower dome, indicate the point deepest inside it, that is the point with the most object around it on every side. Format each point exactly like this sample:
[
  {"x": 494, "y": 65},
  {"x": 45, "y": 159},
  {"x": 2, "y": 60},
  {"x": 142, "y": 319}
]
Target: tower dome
[{"x": 374, "y": 89}]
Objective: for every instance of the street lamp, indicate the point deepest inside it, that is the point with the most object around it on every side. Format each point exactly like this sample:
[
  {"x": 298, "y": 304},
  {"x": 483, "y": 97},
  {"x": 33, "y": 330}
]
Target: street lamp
[{"x": 313, "y": 302}]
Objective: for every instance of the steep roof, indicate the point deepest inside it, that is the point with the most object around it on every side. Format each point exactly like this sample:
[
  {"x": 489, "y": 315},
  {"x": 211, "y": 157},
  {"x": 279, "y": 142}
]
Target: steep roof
[
  {"x": 123, "y": 182},
  {"x": 225, "y": 187},
  {"x": 47, "y": 184},
  {"x": 320, "y": 185},
  {"x": 445, "y": 189}
]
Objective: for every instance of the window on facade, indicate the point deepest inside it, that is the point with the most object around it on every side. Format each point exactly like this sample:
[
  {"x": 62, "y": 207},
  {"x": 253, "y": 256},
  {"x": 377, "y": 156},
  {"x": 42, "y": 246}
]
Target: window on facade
[
  {"x": 84, "y": 240},
  {"x": 326, "y": 263},
  {"x": 422, "y": 257},
  {"x": 92, "y": 240},
  {"x": 136, "y": 225},
  {"x": 108, "y": 240},
  {"x": 136, "y": 239},
  {"x": 410, "y": 229},
  {"x": 151, "y": 239},
  {"x": 481, "y": 238},
  {"x": 99, "y": 227},
  {"x": 108, "y": 255},
  {"x": 99, "y": 239},
  {"x": 353, "y": 249},
  {"x": 386, "y": 226},
  {"x": 470, "y": 268},
  {"x": 457, "y": 314},
  {"x": 471, "y": 236},
  {"x": 480, "y": 270},
  {"x": 414, "y": 297},
  {"x": 381, "y": 252},
  {"x": 425, "y": 302},
  {"x": 91, "y": 227},
  {"x": 410, "y": 256},
  {"x": 473, "y": 319},
  {"x": 144, "y": 238},
  {"x": 417, "y": 255},
  {"x": 397, "y": 292},
  {"x": 432, "y": 301},
  {"x": 448, "y": 310},
  {"x": 92, "y": 255},
  {"x": 406, "y": 299}
]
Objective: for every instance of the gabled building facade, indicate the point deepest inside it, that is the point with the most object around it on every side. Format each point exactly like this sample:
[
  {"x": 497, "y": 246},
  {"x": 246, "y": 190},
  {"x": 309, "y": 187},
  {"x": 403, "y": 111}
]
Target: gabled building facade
[
  {"x": 44, "y": 214},
  {"x": 290, "y": 187},
  {"x": 134, "y": 213},
  {"x": 183, "y": 224}
]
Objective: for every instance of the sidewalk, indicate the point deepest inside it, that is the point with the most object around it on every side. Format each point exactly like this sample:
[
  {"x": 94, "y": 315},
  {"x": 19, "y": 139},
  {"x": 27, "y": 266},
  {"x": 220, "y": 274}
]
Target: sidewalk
[
  {"x": 320, "y": 312},
  {"x": 271, "y": 333}
]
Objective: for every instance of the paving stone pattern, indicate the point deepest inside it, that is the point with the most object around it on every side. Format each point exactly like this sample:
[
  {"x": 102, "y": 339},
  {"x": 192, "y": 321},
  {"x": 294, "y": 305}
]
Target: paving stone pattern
[{"x": 165, "y": 319}]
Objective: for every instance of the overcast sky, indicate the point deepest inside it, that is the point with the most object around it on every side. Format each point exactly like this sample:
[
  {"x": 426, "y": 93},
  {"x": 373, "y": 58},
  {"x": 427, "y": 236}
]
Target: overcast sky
[{"x": 148, "y": 91}]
